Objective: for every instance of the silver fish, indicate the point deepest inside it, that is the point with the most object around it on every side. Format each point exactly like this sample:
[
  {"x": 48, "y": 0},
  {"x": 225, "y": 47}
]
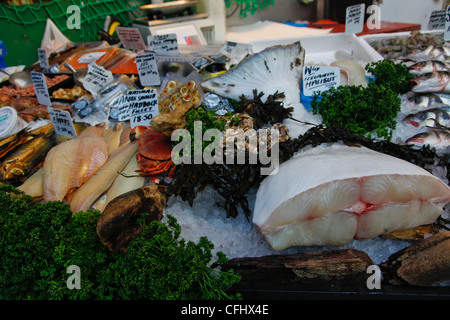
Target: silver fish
[
  {"x": 436, "y": 138},
  {"x": 427, "y": 66},
  {"x": 432, "y": 52},
  {"x": 438, "y": 117},
  {"x": 424, "y": 101},
  {"x": 437, "y": 82}
]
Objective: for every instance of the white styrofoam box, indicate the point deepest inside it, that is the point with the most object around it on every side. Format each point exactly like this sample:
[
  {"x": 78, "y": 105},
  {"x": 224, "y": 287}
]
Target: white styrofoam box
[
  {"x": 365, "y": 40},
  {"x": 325, "y": 48}
]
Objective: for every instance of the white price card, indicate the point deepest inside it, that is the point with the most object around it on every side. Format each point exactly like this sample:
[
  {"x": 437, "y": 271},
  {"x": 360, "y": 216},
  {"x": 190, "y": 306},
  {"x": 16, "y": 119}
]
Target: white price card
[
  {"x": 163, "y": 43},
  {"x": 437, "y": 20},
  {"x": 131, "y": 38},
  {"x": 43, "y": 59},
  {"x": 148, "y": 69},
  {"x": 142, "y": 107},
  {"x": 96, "y": 78},
  {"x": 317, "y": 79},
  {"x": 62, "y": 122},
  {"x": 354, "y": 19},
  {"x": 40, "y": 88},
  {"x": 90, "y": 57},
  {"x": 447, "y": 24}
]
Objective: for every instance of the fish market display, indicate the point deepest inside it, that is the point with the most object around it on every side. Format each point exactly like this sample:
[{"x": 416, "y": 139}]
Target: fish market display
[{"x": 330, "y": 195}]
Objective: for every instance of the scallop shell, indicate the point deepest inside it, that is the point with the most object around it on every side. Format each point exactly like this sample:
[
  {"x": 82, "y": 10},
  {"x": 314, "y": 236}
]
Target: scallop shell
[{"x": 278, "y": 68}]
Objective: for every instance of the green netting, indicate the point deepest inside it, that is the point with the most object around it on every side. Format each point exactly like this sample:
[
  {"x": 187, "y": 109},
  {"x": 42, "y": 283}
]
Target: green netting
[
  {"x": 250, "y": 6},
  {"x": 92, "y": 14}
]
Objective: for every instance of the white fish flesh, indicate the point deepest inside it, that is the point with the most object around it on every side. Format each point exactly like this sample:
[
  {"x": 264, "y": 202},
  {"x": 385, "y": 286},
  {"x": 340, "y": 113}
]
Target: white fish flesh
[
  {"x": 437, "y": 82},
  {"x": 71, "y": 163},
  {"x": 330, "y": 195},
  {"x": 352, "y": 73}
]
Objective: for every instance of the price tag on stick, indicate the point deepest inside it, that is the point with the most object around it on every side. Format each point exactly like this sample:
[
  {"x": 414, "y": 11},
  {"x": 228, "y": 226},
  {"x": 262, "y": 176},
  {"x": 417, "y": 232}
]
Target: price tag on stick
[
  {"x": 40, "y": 88},
  {"x": 354, "y": 19},
  {"x": 62, "y": 122},
  {"x": 148, "y": 69}
]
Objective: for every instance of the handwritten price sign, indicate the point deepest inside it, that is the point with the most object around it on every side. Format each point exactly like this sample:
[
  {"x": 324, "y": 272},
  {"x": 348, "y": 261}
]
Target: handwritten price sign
[
  {"x": 62, "y": 122},
  {"x": 40, "y": 88}
]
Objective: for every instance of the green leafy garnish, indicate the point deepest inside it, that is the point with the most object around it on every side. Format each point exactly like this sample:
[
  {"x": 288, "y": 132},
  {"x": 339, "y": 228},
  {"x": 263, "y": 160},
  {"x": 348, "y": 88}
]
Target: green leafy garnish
[
  {"x": 366, "y": 110},
  {"x": 39, "y": 241}
]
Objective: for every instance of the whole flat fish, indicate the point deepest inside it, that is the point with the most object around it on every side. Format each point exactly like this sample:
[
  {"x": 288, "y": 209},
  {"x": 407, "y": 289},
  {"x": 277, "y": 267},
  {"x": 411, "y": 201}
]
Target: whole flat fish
[{"x": 437, "y": 82}]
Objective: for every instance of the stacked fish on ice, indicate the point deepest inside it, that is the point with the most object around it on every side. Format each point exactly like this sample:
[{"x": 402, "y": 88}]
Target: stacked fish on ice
[
  {"x": 332, "y": 194},
  {"x": 428, "y": 100}
]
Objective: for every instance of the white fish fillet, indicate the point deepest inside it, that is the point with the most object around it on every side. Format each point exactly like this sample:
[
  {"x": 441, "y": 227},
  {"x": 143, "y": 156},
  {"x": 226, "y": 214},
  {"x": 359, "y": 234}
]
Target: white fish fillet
[
  {"x": 71, "y": 163},
  {"x": 86, "y": 195},
  {"x": 330, "y": 195}
]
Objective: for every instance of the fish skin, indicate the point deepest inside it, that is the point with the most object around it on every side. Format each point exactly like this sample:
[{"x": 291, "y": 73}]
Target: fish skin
[
  {"x": 437, "y": 117},
  {"x": 438, "y": 53},
  {"x": 437, "y": 138},
  {"x": 434, "y": 82},
  {"x": 414, "y": 102},
  {"x": 427, "y": 66}
]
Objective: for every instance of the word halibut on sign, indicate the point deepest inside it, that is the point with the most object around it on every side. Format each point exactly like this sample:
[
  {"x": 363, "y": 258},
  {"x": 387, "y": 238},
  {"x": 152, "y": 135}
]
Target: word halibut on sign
[{"x": 317, "y": 79}]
